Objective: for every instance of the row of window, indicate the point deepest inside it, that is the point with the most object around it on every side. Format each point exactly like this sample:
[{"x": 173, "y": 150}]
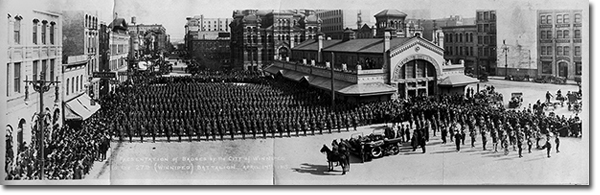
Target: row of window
[
  {"x": 332, "y": 28},
  {"x": 486, "y": 15},
  {"x": 74, "y": 84},
  {"x": 560, "y": 50},
  {"x": 91, "y": 22},
  {"x": 330, "y": 13},
  {"x": 118, "y": 49},
  {"x": 486, "y": 40},
  {"x": 560, "y": 18},
  {"x": 486, "y": 27},
  {"x": 458, "y": 37},
  {"x": 44, "y": 72},
  {"x": 547, "y": 34},
  {"x": 45, "y": 27},
  {"x": 297, "y": 39}
]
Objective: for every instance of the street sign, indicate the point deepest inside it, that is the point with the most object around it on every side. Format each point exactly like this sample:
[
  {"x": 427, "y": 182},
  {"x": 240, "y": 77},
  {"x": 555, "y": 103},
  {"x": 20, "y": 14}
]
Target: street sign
[{"x": 105, "y": 75}]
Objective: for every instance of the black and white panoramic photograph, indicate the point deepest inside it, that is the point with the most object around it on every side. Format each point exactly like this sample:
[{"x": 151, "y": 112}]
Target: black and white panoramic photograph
[{"x": 287, "y": 92}]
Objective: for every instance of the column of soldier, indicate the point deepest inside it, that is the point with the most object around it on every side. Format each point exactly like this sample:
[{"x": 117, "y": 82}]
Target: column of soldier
[
  {"x": 69, "y": 151},
  {"x": 454, "y": 116},
  {"x": 205, "y": 107}
]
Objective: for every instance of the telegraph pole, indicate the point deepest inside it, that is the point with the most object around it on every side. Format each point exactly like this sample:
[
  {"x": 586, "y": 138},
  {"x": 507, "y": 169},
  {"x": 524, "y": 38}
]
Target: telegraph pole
[
  {"x": 41, "y": 86},
  {"x": 332, "y": 79}
]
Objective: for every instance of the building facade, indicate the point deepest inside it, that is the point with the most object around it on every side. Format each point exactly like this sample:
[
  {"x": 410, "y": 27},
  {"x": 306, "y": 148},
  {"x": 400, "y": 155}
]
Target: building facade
[
  {"x": 80, "y": 59},
  {"x": 211, "y": 53},
  {"x": 335, "y": 22},
  {"x": 119, "y": 48},
  {"x": 148, "y": 38},
  {"x": 559, "y": 43},
  {"x": 396, "y": 65},
  {"x": 34, "y": 49},
  {"x": 487, "y": 48},
  {"x": 260, "y": 36},
  {"x": 459, "y": 44}
]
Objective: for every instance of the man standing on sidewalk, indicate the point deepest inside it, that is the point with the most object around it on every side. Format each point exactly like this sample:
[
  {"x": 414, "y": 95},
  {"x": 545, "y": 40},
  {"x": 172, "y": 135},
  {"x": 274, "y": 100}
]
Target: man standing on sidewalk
[{"x": 457, "y": 138}]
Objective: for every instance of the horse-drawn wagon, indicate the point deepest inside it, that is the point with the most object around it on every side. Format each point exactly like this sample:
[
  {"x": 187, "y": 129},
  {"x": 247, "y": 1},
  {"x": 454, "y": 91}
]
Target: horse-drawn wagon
[{"x": 375, "y": 145}]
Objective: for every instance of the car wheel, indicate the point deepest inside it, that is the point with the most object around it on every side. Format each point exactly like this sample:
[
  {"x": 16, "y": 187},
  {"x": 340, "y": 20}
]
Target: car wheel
[{"x": 376, "y": 152}]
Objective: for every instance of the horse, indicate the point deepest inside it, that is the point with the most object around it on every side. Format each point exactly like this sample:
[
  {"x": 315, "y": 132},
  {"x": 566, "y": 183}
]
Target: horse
[{"x": 341, "y": 156}]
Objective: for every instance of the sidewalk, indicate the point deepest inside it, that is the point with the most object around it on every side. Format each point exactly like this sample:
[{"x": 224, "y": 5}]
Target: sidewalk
[{"x": 569, "y": 82}]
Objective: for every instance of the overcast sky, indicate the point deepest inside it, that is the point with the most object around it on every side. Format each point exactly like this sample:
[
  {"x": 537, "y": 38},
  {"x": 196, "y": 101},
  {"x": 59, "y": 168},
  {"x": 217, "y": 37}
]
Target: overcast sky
[{"x": 172, "y": 13}]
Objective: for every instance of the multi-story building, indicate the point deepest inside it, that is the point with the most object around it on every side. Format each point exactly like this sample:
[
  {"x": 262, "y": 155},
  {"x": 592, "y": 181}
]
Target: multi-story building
[
  {"x": 335, "y": 22},
  {"x": 34, "y": 49},
  {"x": 399, "y": 64},
  {"x": 104, "y": 57},
  {"x": 429, "y": 26},
  {"x": 260, "y": 36},
  {"x": 559, "y": 43},
  {"x": 119, "y": 48},
  {"x": 486, "y": 43},
  {"x": 149, "y": 38},
  {"x": 460, "y": 45},
  {"x": 201, "y": 28},
  {"x": 80, "y": 58},
  {"x": 211, "y": 53}
]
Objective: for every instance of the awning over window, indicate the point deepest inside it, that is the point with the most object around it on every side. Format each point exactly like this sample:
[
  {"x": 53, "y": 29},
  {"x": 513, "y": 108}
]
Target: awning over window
[
  {"x": 457, "y": 80},
  {"x": 80, "y": 108}
]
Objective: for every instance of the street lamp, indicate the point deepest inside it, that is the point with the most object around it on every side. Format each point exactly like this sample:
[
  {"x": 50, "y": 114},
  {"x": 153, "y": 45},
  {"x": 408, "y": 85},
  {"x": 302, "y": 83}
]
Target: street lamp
[
  {"x": 505, "y": 50},
  {"x": 41, "y": 86}
]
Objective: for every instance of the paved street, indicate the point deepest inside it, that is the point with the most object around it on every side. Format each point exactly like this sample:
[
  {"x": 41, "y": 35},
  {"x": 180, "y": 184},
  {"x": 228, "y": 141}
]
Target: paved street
[{"x": 297, "y": 160}]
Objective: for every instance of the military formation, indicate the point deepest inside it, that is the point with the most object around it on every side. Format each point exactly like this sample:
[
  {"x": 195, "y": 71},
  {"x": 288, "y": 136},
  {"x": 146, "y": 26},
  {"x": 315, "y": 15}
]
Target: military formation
[{"x": 220, "y": 105}]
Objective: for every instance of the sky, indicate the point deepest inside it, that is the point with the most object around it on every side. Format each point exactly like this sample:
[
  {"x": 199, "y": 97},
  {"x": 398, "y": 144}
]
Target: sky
[{"x": 172, "y": 13}]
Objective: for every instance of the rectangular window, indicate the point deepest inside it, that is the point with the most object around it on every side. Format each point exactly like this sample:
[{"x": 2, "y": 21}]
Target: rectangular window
[
  {"x": 52, "y": 69},
  {"x": 471, "y": 48},
  {"x": 577, "y": 18},
  {"x": 480, "y": 28},
  {"x": 578, "y": 34},
  {"x": 566, "y": 34},
  {"x": 546, "y": 68},
  {"x": 44, "y": 70},
  {"x": 486, "y": 51},
  {"x": 486, "y": 15},
  {"x": 549, "y": 50},
  {"x": 559, "y": 51},
  {"x": 68, "y": 83},
  {"x": 549, "y": 19},
  {"x": 543, "y": 34},
  {"x": 566, "y": 18},
  {"x": 542, "y": 19},
  {"x": 17, "y": 76},
  {"x": 17, "y": 31},
  {"x": 479, "y": 51},
  {"x": 559, "y": 19},
  {"x": 35, "y": 70},
  {"x": 559, "y": 34},
  {"x": 543, "y": 50},
  {"x": 486, "y": 40},
  {"x": 34, "y": 36},
  {"x": 478, "y": 39},
  {"x": 549, "y": 34},
  {"x": 577, "y": 68},
  {"x": 566, "y": 50},
  {"x": 577, "y": 51},
  {"x": 7, "y": 80}
]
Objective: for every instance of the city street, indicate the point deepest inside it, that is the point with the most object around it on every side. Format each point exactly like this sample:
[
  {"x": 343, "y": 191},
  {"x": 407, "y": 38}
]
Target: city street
[{"x": 297, "y": 160}]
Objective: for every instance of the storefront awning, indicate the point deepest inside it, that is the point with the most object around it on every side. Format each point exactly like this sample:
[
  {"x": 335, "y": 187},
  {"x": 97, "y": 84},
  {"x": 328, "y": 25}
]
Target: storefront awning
[
  {"x": 457, "y": 81},
  {"x": 80, "y": 108},
  {"x": 365, "y": 89}
]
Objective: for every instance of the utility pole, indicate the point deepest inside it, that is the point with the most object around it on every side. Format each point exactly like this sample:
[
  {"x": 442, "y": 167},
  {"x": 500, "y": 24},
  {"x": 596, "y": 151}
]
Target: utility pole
[
  {"x": 332, "y": 79},
  {"x": 505, "y": 49},
  {"x": 41, "y": 86}
]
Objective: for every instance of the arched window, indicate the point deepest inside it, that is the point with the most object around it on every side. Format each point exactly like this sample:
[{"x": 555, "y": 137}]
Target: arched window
[
  {"x": 44, "y": 28},
  {"x": 52, "y": 32},
  {"x": 35, "y": 31},
  {"x": 17, "y": 31},
  {"x": 461, "y": 37},
  {"x": 76, "y": 84},
  {"x": 68, "y": 83}
]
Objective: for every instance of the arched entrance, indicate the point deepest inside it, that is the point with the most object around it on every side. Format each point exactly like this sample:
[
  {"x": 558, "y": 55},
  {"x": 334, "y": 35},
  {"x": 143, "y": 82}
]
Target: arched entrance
[
  {"x": 416, "y": 77},
  {"x": 563, "y": 69},
  {"x": 283, "y": 53}
]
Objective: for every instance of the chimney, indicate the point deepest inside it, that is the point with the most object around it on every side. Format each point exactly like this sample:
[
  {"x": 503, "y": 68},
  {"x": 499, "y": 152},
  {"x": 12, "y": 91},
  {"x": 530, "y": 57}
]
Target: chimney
[
  {"x": 386, "y": 47},
  {"x": 320, "y": 52}
]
